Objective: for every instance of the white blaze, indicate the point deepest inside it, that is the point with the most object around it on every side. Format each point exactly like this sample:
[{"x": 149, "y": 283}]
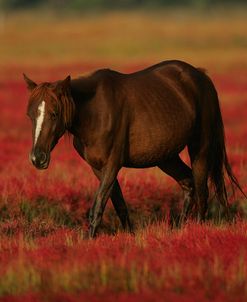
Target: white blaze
[{"x": 39, "y": 121}]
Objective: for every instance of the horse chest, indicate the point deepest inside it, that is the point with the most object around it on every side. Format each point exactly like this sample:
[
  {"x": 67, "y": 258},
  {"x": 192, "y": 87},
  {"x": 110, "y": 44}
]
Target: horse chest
[{"x": 93, "y": 154}]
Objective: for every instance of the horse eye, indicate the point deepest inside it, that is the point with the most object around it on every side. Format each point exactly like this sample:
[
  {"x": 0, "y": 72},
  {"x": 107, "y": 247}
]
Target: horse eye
[{"x": 53, "y": 116}]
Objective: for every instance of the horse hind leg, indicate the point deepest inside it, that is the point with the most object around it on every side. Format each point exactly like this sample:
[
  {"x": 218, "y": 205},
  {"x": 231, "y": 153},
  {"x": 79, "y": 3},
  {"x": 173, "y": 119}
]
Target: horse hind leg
[
  {"x": 178, "y": 170},
  {"x": 200, "y": 170}
]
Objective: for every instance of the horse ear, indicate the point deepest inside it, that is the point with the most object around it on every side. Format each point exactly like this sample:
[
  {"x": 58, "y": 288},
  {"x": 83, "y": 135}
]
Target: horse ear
[
  {"x": 30, "y": 84},
  {"x": 63, "y": 85},
  {"x": 66, "y": 82}
]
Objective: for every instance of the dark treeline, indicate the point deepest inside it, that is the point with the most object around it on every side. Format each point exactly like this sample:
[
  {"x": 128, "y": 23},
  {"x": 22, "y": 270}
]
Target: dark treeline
[{"x": 113, "y": 4}]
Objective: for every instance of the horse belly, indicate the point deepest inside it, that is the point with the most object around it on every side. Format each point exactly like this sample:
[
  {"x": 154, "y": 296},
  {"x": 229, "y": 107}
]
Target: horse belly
[
  {"x": 152, "y": 154},
  {"x": 152, "y": 143}
]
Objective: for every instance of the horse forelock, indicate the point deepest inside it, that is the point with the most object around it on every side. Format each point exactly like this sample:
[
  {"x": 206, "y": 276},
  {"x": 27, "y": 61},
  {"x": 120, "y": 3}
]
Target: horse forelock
[
  {"x": 63, "y": 105},
  {"x": 38, "y": 93}
]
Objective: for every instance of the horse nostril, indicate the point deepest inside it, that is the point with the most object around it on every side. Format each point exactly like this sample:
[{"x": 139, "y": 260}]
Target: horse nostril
[
  {"x": 32, "y": 158},
  {"x": 39, "y": 159},
  {"x": 42, "y": 157}
]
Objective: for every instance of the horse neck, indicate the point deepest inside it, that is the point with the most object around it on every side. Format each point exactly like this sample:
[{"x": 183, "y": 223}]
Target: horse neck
[{"x": 82, "y": 91}]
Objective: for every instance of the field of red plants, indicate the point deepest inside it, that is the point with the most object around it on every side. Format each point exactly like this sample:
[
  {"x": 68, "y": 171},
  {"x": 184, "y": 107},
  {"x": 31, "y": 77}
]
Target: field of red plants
[{"x": 44, "y": 252}]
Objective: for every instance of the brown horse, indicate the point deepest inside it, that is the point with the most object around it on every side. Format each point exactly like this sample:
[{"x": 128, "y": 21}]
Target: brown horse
[{"x": 139, "y": 120}]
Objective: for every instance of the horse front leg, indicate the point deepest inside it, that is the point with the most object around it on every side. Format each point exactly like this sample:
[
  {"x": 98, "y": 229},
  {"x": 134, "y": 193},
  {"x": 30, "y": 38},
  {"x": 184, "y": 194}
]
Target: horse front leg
[
  {"x": 119, "y": 203},
  {"x": 107, "y": 180}
]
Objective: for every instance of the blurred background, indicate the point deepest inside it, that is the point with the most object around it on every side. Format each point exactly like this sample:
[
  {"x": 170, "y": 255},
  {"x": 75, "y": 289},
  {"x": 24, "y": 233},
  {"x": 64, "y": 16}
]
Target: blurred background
[{"x": 81, "y": 35}]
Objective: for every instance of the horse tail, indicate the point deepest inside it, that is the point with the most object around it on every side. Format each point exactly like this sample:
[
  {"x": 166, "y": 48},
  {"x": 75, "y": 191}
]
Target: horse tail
[
  {"x": 219, "y": 163},
  {"x": 221, "y": 166}
]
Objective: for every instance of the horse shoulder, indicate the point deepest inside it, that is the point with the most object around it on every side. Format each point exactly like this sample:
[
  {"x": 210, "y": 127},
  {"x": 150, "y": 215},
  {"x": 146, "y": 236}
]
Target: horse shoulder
[{"x": 101, "y": 130}]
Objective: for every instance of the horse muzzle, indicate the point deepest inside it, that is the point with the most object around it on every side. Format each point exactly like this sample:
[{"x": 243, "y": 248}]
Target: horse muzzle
[{"x": 40, "y": 159}]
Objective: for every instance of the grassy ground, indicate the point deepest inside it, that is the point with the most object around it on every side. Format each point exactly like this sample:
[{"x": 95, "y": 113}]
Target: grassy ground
[{"x": 44, "y": 255}]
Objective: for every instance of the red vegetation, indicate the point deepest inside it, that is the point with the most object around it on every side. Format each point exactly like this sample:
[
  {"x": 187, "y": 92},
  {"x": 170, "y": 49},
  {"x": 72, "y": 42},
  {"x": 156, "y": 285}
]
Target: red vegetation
[{"x": 43, "y": 220}]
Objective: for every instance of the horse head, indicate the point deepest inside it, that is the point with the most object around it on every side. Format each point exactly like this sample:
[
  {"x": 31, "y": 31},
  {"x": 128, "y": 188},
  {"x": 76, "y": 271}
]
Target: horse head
[{"x": 51, "y": 109}]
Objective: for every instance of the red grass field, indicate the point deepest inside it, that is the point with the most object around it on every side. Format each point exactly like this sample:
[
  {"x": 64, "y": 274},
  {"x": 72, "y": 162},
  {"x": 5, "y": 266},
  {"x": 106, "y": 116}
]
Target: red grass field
[
  {"x": 44, "y": 255},
  {"x": 43, "y": 222}
]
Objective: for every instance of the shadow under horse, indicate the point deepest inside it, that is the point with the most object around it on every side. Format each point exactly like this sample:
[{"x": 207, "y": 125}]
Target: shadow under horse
[{"x": 137, "y": 120}]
